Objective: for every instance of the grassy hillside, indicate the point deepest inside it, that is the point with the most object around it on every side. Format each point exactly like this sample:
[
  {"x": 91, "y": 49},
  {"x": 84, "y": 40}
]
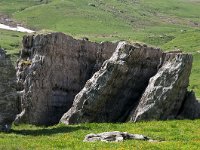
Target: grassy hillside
[
  {"x": 167, "y": 24},
  {"x": 173, "y": 134}
]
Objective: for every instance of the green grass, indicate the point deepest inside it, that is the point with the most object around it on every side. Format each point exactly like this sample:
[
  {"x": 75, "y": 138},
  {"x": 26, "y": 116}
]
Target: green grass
[
  {"x": 195, "y": 76},
  {"x": 183, "y": 134},
  {"x": 11, "y": 6},
  {"x": 11, "y": 41}
]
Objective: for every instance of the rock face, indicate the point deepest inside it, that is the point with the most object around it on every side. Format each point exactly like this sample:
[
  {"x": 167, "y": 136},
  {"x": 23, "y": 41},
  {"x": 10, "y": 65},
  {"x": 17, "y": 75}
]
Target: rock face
[
  {"x": 8, "y": 94},
  {"x": 52, "y": 69},
  {"x": 107, "y": 82},
  {"x": 166, "y": 91},
  {"x": 190, "y": 108},
  {"x": 121, "y": 89},
  {"x": 114, "y": 136},
  {"x": 115, "y": 89}
]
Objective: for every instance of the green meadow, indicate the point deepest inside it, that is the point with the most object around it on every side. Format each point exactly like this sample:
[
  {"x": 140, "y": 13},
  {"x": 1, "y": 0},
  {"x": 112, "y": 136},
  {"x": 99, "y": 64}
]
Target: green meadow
[{"x": 171, "y": 135}]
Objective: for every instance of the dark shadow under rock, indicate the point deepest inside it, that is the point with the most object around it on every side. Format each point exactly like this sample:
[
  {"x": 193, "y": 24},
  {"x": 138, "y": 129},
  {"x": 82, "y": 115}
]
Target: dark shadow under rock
[{"x": 49, "y": 131}]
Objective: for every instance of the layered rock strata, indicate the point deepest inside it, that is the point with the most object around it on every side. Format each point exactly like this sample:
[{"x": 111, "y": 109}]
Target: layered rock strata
[
  {"x": 8, "y": 93},
  {"x": 52, "y": 69}
]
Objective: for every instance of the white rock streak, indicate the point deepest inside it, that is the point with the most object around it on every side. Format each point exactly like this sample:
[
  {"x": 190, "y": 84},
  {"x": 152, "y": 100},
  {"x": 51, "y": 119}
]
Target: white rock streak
[{"x": 18, "y": 28}]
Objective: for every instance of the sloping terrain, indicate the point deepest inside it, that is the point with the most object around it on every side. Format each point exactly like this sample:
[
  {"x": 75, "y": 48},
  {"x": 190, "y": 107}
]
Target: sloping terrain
[{"x": 167, "y": 24}]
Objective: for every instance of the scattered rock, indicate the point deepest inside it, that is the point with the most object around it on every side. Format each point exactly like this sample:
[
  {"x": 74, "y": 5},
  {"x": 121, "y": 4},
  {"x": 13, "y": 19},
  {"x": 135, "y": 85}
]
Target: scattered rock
[
  {"x": 8, "y": 94},
  {"x": 115, "y": 136}
]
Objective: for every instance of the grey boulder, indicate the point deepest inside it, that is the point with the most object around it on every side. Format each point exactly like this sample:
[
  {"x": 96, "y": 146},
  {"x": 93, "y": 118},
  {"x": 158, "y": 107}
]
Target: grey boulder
[
  {"x": 166, "y": 90},
  {"x": 114, "y": 136}
]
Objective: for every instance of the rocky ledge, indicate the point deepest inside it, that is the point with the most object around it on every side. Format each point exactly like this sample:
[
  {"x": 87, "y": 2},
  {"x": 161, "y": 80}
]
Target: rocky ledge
[{"x": 101, "y": 82}]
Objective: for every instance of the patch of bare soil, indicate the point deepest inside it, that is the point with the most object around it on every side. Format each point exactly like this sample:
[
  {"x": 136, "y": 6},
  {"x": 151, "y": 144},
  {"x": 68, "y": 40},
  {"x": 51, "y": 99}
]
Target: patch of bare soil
[{"x": 6, "y": 20}]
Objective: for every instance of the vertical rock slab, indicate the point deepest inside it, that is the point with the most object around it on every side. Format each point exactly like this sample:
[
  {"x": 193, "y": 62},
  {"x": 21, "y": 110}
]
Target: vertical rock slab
[
  {"x": 52, "y": 69},
  {"x": 190, "y": 108},
  {"x": 166, "y": 91},
  {"x": 8, "y": 94},
  {"x": 115, "y": 89}
]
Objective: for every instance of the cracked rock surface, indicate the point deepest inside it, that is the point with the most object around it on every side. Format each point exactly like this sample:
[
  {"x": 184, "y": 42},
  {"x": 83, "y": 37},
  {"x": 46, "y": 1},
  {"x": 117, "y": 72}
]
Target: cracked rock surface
[
  {"x": 115, "y": 89},
  {"x": 114, "y": 136},
  {"x": 78, "y": 81},
  {"x": 52, "y": 69},
  {"x": 166, "y": 90},
  {"x": 8, "y": 93}
]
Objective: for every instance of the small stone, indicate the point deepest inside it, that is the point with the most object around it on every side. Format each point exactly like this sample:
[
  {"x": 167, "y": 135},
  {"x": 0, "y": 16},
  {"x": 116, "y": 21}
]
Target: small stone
[
  {"x": 91, "y": 4},
  {"x": 114, "y": 136}
]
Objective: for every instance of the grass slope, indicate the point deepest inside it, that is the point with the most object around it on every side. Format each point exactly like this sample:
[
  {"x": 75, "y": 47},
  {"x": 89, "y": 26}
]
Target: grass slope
[
  {"x": 167, "y": 24},
  {"x": 11, "y": 41},
  {"x": 183, "y": 134}
]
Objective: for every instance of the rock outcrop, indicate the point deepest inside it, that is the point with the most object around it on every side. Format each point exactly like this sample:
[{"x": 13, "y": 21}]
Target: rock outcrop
[
  {"x": 115, "y": 136},
  {"x": 8, "y": 94},
  {"x": 115, "y": 89},
  {"x": 121, "y": 89},
  {"x": 107, "y": 82},
  {"x": 166, "y": 90},
  {"x": 52, "y": 69}
]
